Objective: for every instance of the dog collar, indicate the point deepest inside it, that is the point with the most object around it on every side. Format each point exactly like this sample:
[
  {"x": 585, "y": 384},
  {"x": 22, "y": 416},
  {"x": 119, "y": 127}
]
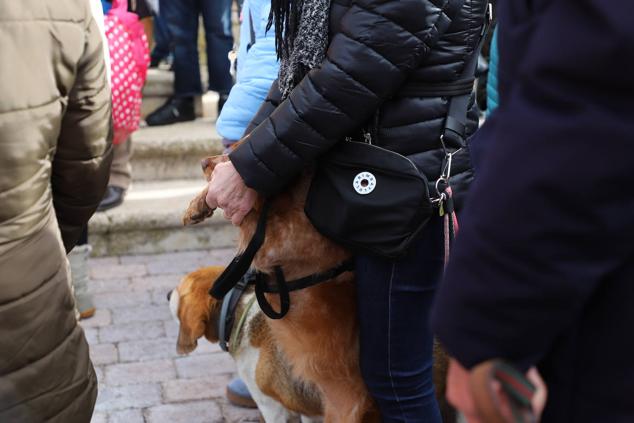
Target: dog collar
[{"x": 227, "y": 312}]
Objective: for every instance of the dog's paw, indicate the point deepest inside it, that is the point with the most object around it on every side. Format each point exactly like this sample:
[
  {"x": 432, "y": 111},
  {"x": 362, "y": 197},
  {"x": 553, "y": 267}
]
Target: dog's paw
[{"x": 198, "y": 210}]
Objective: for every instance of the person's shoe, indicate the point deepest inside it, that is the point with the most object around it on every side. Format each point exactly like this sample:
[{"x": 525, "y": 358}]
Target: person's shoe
[
  {"x": 222, "y": 99},
  {"x": 154, "y": 62},
  {"x": 112, "y": 198},
  {"x": 78, "y": 259},
  {"x": 238, "y": 394},
  {"x": 175, "y": 110}
]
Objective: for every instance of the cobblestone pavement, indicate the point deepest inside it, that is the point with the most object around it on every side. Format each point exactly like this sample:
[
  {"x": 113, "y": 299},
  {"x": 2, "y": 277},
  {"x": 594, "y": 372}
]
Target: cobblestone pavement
[{"x": 132, "y": 341}]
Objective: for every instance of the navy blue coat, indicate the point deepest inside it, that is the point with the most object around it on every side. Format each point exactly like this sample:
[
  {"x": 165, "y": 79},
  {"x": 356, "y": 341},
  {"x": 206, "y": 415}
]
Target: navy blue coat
[{"x": 543, "y": 269}]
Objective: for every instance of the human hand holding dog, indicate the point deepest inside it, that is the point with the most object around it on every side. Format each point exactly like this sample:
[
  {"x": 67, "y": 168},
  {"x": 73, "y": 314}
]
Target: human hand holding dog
[
  {"x": 460, "y": 393},
  {"x": 228, "y": 192}
]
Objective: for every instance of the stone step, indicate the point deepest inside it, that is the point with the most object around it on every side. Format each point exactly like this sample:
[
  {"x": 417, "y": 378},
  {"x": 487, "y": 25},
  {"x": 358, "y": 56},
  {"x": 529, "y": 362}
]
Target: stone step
[
  {"x": 149, "y": 222},
  {"x": 159, "y": 87},
  {"x": 173, "y": 151}
]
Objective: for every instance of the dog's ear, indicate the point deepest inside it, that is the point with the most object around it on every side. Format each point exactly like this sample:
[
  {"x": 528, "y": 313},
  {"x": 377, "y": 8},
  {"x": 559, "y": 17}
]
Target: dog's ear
[
  {"x": 209, "y": 163},
  {"x": 188, "y": 337},
  {"x": 198, "y": 312},
  {"x": 211, "y": 324}
]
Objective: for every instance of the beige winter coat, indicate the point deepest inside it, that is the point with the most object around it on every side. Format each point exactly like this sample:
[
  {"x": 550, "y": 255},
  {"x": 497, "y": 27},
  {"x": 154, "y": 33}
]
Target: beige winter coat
[{"x": 54, "y": 161}]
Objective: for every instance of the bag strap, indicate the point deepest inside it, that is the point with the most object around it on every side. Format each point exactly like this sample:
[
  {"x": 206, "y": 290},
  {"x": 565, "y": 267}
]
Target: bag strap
[{"x": 455, "y": 129}]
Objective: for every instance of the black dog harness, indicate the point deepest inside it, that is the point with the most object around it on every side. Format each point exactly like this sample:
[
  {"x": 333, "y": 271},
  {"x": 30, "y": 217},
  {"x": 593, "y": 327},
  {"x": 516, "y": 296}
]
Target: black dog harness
[{"x": 235, "y": 279}]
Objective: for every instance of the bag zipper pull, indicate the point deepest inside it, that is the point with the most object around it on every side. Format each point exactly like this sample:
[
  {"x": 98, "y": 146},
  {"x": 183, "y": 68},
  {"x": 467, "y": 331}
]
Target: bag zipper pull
[{"x": 441, "y": 204}]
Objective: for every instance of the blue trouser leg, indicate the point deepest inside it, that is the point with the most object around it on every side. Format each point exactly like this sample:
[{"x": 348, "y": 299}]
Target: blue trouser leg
[
  {"x": 394, "y": 301},
  {"x": 219, "y": 40},
  {"x": 161, "y": 38},
  {"x": 182, "y": 22}
]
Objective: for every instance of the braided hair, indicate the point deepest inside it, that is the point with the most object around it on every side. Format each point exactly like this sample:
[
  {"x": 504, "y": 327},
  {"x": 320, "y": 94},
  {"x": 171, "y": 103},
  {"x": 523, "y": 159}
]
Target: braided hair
[{"x": 284, "y": 16}]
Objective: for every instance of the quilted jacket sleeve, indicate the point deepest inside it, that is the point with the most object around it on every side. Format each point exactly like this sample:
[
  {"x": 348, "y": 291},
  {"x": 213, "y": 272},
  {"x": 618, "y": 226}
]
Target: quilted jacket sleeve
[
  {"x": 81, "y": 165},
  {"x": 367, "y": 61},
  {"x": 273, "y": 99},
  {"x": 257, "y": 68}
]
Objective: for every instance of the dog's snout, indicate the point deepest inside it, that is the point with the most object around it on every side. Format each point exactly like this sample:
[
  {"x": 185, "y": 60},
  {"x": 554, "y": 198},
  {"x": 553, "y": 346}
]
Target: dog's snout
[
  {"x": 169, "y": 295},
  {"x": 204, "y": 163}
]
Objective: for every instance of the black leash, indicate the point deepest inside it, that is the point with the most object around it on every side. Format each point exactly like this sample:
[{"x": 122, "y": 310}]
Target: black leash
[
  {"x": 279, "y": 285},
  {"x": 235, "y": 279},
  {"x": 241, "y": 263}
]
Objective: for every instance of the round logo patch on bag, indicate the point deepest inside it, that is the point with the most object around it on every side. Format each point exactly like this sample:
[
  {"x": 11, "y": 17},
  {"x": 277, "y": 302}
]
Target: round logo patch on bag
[{"x": 364, "y": 183}]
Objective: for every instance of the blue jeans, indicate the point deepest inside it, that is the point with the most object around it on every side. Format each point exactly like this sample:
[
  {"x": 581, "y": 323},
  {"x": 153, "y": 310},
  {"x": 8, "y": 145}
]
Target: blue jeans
[
  {"x": 162, "y": 39},
  {"x": 182, "y": 22},
  {"x": 394, "y": 301}
]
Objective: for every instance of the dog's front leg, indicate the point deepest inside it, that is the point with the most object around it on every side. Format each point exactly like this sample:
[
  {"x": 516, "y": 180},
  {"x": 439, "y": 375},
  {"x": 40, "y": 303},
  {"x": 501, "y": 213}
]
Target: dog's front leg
[{"x": 198, "y": 210}]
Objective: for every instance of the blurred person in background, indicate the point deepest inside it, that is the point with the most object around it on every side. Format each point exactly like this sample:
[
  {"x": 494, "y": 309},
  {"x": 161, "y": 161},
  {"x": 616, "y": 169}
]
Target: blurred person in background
[
  {"x": 55, "y": 153},
  {"x": 542, "y": 273},
  {"x": 161, "y": 52},
  {"x": 256, "y": 70},
  {"x": 121, "y": 170},
  {"x": 182, "y": 18}
]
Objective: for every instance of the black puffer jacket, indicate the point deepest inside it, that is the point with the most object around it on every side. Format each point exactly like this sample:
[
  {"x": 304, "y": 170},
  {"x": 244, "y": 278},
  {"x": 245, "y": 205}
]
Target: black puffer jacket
[{"x": 378, "y": 50}]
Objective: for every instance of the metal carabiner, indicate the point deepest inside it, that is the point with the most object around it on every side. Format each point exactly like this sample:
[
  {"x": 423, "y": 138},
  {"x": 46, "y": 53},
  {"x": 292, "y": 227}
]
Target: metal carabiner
[{"x": 441, "y": 194}]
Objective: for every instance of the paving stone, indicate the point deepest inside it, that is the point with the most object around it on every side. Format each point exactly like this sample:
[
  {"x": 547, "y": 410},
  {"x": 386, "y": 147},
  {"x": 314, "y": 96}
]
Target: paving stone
[
  {"x": 112, "y": 398},
  {"x": 165, "y": 282},
  {"x": 218, "y": 257},
  {"x": 103, "y": 354},
  {"x": 99, "y": 373},
  {"x": 103, "y": 261},
  {"x": 121, "y": 299},
  {"x": 141, "y": 313},
  {"x": 92, "y": 335},
  {"x": 159, "y": 296},
  {"x": 233, "y": 414},
  {"x": 174, "y": 265},
  {"x": 164, "y": 257},
  {"x": 206, "y": 347},
  {"x": 195, "y": 389},
  {"x": 101, "y": 318},
  {"x": 204, "y": 366},
  {"x": 117, "y": 272},
  {"x": 190, "y": 412},
  {"x": 139, "y": 373},
  {"x": 132, "y": 331},
  {"x": 171, "y": 328},
  {"x": 97, "y": 286},
  {"x": 147, "y": 349},
  {"x": 99, "y": 417},
  {"x": 126, "y": 416}
]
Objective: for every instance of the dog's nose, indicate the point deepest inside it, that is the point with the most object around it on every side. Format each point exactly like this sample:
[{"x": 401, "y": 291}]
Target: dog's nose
[
  {"x": 204, "y": 163},
  {"x": 169, "y": 295}
]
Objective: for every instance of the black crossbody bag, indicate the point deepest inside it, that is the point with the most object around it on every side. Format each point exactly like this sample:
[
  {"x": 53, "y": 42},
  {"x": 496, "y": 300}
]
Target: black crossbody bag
[{"x": 376, "y": 201}]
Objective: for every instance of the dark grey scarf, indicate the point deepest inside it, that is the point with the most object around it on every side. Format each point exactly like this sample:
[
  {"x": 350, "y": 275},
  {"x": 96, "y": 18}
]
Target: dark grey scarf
[{"x": 303, "y": 44}]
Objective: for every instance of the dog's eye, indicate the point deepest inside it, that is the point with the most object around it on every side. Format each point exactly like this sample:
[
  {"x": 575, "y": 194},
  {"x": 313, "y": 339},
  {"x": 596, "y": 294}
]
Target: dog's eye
[{"x": 169, "y": 295}]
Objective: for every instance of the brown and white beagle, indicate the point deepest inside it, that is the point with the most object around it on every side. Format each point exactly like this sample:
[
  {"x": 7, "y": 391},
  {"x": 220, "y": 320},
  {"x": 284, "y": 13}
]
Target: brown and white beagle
[
  {"x": 260, "y": 363},
  {"x": 318, "y": 338}
]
